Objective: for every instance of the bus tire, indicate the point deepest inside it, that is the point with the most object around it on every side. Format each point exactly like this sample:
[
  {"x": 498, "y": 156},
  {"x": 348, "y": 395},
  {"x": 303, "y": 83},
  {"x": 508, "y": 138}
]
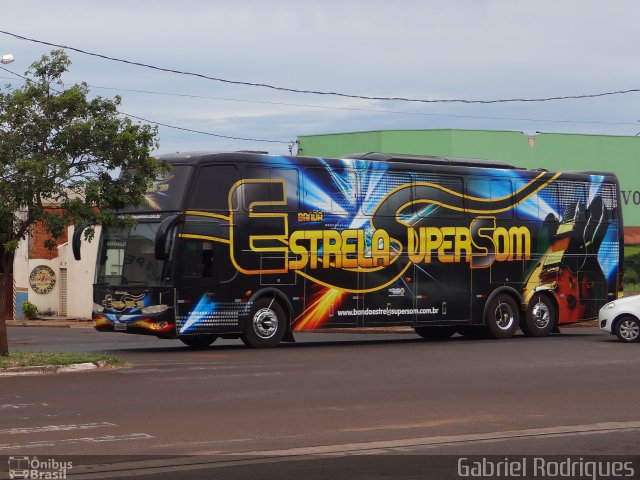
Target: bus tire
[
  {"x": 198, "y": 341},
  {"x": 435, "y": 333},
  {"x": 541, "y": 317},
  {"x": 502, "y": 316},
  {"x": 266, "y": 324}
]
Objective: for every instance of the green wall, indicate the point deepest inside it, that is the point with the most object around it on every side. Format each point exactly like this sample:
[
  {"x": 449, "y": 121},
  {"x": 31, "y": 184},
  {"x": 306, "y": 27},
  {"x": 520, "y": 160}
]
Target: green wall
[{"x": 552, "y": 151}]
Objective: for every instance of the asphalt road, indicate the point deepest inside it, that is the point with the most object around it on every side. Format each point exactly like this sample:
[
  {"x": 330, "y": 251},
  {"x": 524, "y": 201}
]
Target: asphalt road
[{"x": 325, "y": 398}]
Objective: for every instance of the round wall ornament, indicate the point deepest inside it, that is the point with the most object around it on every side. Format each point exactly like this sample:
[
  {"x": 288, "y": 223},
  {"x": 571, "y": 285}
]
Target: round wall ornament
[{"x": 42, "y": 279}]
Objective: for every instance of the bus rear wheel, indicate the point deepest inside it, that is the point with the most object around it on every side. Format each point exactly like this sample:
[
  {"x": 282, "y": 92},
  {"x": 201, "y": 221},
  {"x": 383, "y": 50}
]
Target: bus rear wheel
[
  {"x": 540, "y": 318},
  {"x": 435, "y": 333},
  {"x": 198, "y": 341},
  {"x": 266, "y": 325},
  {"x": 503, "y": 316}
]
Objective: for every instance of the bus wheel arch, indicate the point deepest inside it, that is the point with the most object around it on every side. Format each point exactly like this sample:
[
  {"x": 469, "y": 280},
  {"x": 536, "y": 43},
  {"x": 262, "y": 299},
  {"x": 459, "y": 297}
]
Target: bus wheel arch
[
  {"x": 267, "y": 323},
  {"x": 541, "y": 317},
  {"x": 502, "y": 313}
]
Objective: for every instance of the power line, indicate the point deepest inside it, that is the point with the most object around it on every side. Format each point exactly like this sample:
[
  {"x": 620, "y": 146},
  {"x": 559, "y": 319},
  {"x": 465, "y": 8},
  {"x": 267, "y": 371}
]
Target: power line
[
  {"x": 261, "y": 140},
  {"x": 354, "y": 109},
  {"x": 291, "y": 143},
  {"x": 318, "y": 92}
]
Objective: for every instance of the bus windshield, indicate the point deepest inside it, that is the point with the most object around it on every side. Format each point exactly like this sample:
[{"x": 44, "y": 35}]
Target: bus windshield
[{"x": 126, "y": 257}]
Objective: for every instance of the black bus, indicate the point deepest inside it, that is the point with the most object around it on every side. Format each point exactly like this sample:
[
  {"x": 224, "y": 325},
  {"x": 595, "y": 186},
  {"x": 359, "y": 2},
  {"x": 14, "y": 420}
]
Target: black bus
[{"x": 255, "y": 246}]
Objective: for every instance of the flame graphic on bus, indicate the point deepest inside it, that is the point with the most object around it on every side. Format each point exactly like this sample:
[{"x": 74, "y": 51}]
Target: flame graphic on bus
[{"x": 319, "y": 309}]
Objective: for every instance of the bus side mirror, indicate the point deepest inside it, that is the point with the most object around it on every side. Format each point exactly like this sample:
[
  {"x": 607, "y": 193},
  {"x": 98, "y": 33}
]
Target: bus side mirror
[
  {"x": 161, "y": 235},
  {"x": 76, "y": 240}
]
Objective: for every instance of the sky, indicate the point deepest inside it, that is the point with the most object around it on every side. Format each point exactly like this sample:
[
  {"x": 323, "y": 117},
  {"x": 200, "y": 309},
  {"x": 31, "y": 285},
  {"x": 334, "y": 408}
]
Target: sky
[{"x": 456, "y": 49}]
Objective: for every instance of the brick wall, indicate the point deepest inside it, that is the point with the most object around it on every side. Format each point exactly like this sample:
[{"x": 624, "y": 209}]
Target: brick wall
[{"x": 36, "y": 242}]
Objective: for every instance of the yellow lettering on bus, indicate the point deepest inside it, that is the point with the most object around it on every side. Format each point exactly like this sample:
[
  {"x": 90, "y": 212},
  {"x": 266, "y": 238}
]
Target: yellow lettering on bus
[
  {"x": 331, "y": 247},
  {"x": 381, "y": 248},
  {"x": 349, "y": 247},
  {"x": 444, "y": 255},
  {"x": 296, "y": 249}
]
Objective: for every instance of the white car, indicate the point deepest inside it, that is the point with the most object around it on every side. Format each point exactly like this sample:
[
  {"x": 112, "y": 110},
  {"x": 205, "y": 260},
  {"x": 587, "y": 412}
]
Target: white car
[{"x": 622, "y": 318}]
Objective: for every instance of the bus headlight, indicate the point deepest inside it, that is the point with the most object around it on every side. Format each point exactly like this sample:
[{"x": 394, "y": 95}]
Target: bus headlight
[
  {"x": 154, "y": 309},
  {"x": 98, "y": 308}
]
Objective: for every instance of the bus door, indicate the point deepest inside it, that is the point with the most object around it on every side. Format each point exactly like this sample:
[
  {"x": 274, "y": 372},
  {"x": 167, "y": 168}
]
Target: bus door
[
  {"x": 443, "y": 292},
  {"x": 202, "y": 268},
  {"x": 442, "y": 247}
]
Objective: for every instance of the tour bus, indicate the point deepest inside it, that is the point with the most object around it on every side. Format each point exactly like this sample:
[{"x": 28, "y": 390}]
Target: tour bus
[{"x": 258, "y": 247}]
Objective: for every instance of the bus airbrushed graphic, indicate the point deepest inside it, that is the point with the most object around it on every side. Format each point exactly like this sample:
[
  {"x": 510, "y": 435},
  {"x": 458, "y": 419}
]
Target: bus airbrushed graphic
[{"x": 257, "y": 247}]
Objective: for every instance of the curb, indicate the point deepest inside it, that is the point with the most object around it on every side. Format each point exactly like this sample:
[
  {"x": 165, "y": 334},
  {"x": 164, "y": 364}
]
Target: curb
[
  {"x": 51, "y": 323},
  {"x": 51, "y": 369}
]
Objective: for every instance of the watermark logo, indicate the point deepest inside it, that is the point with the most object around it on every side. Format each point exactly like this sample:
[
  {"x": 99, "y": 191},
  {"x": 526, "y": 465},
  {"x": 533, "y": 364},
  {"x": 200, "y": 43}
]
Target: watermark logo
[
  {"x": 545, "y": 468},
  {"x": 35, "y": 468}
]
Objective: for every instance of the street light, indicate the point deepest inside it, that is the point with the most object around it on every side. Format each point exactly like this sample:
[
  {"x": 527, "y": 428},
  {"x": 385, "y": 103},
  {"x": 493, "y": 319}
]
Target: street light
[{"x": 8, "y": 58}]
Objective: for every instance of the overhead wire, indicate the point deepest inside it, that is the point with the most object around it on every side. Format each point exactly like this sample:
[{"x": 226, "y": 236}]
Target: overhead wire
[
  {"x": 350, "y": 109},
  {"x": 319, "y": 92},
  {"x": 290, "y": 143}
]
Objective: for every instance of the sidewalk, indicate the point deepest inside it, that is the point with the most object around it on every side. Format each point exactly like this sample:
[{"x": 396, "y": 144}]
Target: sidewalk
[{"x": 63, "y": 322}]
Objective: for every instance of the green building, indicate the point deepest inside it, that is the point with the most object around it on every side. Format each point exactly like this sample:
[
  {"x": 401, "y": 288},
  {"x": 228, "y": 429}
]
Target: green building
[{"x": 553, "y": 151}]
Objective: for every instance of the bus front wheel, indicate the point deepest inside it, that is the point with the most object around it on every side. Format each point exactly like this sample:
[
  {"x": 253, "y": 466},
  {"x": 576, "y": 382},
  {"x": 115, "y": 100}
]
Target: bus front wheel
[
  {"x": 266, "y": 325},
  {"x": 503, "y": 316}
]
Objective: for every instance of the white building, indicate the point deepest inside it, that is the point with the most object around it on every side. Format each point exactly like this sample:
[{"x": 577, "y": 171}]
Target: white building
[{"x": 53, "y": 280}]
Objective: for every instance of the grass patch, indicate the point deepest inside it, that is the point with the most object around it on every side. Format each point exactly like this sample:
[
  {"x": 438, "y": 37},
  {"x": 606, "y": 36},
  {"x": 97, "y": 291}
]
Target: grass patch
[
  {"x": 631, "y": 250},
  {"x": 33, "y": 359}
]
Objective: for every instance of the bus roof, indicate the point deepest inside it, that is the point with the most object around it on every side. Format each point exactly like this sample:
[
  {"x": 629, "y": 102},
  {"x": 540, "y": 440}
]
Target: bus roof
[
  {"x": 195, "y": 158},
  {"x": 430, "y": 160}
]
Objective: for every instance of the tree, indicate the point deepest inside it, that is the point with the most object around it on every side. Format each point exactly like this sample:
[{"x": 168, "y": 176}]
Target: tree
[{"x": 61, "y": 146}]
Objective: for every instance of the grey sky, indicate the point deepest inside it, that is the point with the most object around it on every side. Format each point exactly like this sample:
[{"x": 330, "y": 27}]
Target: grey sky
[{"x": 448, "y": 49}]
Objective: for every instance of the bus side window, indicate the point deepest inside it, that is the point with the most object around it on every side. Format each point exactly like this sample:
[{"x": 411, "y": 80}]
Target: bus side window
[
  {"x": 490, "y": 197},
  {"x": 529, "y": 208},
  {"x": 446, "y": 193},
  {"x": 329, "y": 190},
  {"x": 197, "y": 259},
  {"x": 277, "y": 189},
  {"x": 211, "y": 188},
  {"x": 386, "y": 193},
  {"x": 548, "y": 202}
]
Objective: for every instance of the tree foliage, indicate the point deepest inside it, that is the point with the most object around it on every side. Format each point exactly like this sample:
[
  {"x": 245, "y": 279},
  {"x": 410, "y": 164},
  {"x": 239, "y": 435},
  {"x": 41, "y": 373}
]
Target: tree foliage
[{"x": 60, "y": 146}]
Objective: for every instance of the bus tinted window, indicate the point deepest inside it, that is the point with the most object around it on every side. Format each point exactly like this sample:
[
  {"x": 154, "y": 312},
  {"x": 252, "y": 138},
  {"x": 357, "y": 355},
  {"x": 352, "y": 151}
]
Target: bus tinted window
[
  {"x": 270, "y": 188},
  {"x": 490, "y": 197},
  {"x": 330, "y": 190},
  {"x": 438, "y": 196},
  {"x": 165, "y": 193},
  {"x": 211, "y": 188}
]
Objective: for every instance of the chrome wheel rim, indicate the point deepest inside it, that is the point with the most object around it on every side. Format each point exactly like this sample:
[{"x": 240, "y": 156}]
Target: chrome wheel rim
[
  {"x": 629, "y": 330},
  {"x": 265, "y": 323},
  {"x": 541, "y": 315},
  {"x": 504, "y": 316}
]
